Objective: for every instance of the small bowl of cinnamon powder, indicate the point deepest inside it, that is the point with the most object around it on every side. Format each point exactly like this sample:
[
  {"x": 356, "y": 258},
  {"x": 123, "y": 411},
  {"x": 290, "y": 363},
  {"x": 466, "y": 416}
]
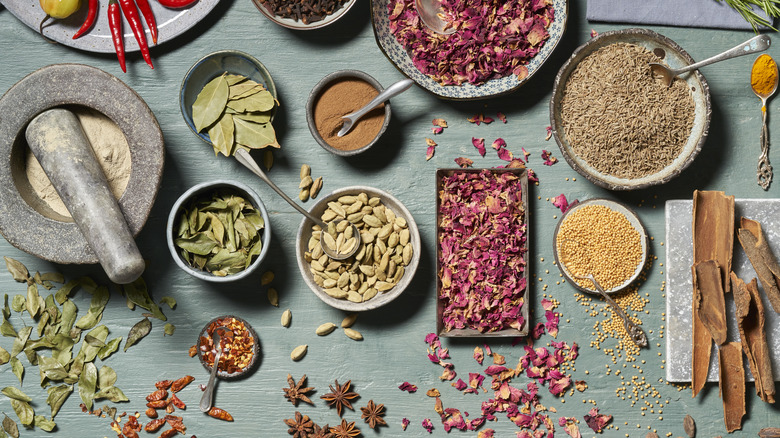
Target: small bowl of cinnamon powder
[{"x": 341, "y": 93}]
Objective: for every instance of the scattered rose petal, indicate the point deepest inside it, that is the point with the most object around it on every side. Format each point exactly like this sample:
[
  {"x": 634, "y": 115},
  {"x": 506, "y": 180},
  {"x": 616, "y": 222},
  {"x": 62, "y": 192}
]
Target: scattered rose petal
[
  {"x": 549, "y": 160},
  {"x": 430, "y": 142},
  {"x": 593, "y": 33},
  {"x": 488, "y": 350},
  {"x": 532, "y": 176},
  {"x": 460, "y": 385},
  {"x": 405, "y": 423},
  {"x": 429, "y": 153},
  {"x": 499, "y": 143},
  {"x": 486, "y": 120},
  {"x": 561, "y": 202},
  {"x": 527, "y": 154},
  {"x": 501, "y": 117},
  {"x": 516, "y": 164},
  {"x": 581, "y": 385},
  {"x": 479, "y": 143},
  {"x": 547, "y": 304},
  {"x": 464, "y": 162},
  {"x": 427, "y": 425},
  {"x": 505, "y": 154},
  {"x": 433, "y": 392},
  {"x": 486, "y": 433},
  {"x": 479, "y": 355},
  {"x": 437, "y": 130},
  {"x": 597, "y": 421},
  {"x": 521, "y": 72},
  {"x": 552, "y": 323},
  {"x": 498, "y": 359},
  {"x": 441, "y": 123},
  {"x": 448, "y": 374},
  {"x": 475, "y": 119},
  {"x": 569, "y": 425},
  {"x": 408, "y": 387},
  {"x": 538, "y": 330},
  {"x": 549, "y": 133}
]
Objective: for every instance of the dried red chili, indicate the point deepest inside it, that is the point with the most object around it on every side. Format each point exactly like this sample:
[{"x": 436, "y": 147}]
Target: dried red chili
[
  {"x": 176, "y": 401},
  {"x": 132, "y": 427},
  {"x": 238, "y": 349},
  {"x": 177, "y": 423},
  {"x": 169, "y": 433},
  {"x": 157, "y": 404},
  {"x": 170, "y": 408},
  {"x": 179, "y": 384},
  {"x": 220, "y": 414},
  {"x": 160, "y": 394},
  {"x": 154, "y": 425},
  {"x": 151, "y": 413},
  {"x": 163, "y": 384}
]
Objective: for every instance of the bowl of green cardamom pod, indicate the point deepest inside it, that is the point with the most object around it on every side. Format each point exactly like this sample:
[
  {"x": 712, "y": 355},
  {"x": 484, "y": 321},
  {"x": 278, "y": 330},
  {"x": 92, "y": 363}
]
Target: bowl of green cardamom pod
[
  {"x": 386, "y": 259},
  {"x": 218, "y": 231}
]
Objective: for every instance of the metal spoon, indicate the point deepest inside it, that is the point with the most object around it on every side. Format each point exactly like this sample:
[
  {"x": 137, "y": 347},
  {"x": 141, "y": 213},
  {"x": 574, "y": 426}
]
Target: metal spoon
[
  {"x": 391, "y": 91},
  {"x": 208, "y": 394},
  {"x": 430, "y": 14},
  {"x": 756, "y": 44},
  {"x": 764, "y": 168},
  {"x": 244, "y": 158}
]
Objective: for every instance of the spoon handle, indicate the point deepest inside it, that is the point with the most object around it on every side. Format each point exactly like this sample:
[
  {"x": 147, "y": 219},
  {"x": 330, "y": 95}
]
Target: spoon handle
[
  {"x": 391, "y": 91},
  {"x": 208, "y": 394},
  {"x": 244, "y": 158},
  {"x": 636, "y": 333},
  {"x": 764, "y": 168},
  {"x": 756, "y": 44}
]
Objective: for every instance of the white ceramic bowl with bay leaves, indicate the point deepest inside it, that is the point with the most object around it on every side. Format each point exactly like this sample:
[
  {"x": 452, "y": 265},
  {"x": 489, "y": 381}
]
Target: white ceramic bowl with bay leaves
[
  {"x": 204, "y": 191},
  {"x": 213, "y": 65},
  {"x": 382, "y": 298}
]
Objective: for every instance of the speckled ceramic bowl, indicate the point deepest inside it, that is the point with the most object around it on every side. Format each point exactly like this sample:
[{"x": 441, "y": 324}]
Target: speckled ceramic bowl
[
  {"x": 312, "y": 102},
  {"x": 211, "y": 66},
  {"x": 675, "y": 57},
  {"x": 632, "y": 218},
  {"x": 305, "y": 232},
  {"x": 205, "y": 334},
  {"x": 299, "y": 25},
  {"x": 205, "y": 189}
]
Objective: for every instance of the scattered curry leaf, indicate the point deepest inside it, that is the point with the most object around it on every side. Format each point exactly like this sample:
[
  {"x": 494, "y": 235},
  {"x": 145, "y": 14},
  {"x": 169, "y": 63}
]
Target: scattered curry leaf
[
  {"x": 33, "y": 305},
  {"x": 170, "y": 301},
  {"x": 138, "y": 293},
  {"x": 24, "y": 411},
  {"x": 87, "y": 384},
  {"x": 18, "y": 303},
  {"x": 15, "y": 394},
  {"x": 57, "y": 396},
  {"x": 44, "y": 423},
  {"x": 138, "y": 332},
  {"x": 111, "y": 393},
  {"x": 21, "y": 340},
  {"x": 169, "y": 329},
  {"x": 106, "y": 377},
  {"x": 10, "y": 427},
  {"x": 95, "y": 312},
  {"x": 109, "y": 348},
  {"x": 18, "y": 368},
  {"x": 6, "y": 329},
  {"x": 18, "y": 271},
  {"x": 5, "y": 356}
]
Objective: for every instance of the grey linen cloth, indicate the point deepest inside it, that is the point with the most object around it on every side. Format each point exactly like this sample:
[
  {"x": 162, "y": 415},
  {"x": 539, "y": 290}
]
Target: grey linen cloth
[{"x": 689, "y": 13}]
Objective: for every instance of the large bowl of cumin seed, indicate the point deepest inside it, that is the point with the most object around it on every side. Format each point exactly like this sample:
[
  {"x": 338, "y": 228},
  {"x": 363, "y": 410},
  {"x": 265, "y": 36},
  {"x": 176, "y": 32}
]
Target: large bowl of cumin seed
[{"x": 619, "y": 126}]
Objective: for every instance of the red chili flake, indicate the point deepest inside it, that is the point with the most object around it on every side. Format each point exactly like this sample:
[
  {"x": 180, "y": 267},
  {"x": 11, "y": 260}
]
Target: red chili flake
[
  {"x": 176, "y": 422},
  {"x": 238, "y": 347},
  {"x": 441, "y": 123},
  {"x": 163, "y": 384},
  {"x": 408, "y": 387},
  {"x": 179, "y": 384},
  {"x": 479, "y": 143},
  {"x": 405, "y": 423},
  {"x": 464, "y": 162},
  {"x": 479, "y": 355},
  {"x": 549, "y": 160},
  {"x": 597, "y": 421},
  {"x": 154, "y": 425},
  {"x": 501, "y": 117},
  {"x": 176, "y": 401},
  {"x": 157, "y": 395},
  {"x": 193, "y": 351},
  {"x": 426, "y": 423}
]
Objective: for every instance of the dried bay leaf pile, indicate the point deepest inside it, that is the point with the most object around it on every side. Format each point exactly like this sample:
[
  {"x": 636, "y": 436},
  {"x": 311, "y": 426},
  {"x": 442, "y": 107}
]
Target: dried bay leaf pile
[
  {"x": 235, "y": 112},
  {"x": 51, "y": 343}
]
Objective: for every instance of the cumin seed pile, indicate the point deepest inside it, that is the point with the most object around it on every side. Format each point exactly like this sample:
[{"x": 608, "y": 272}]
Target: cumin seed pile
[{"x": 619, "y": 118}]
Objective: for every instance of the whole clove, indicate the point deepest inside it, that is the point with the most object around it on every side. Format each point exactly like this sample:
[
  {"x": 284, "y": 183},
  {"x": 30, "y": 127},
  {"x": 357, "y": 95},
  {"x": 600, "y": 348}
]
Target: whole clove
[{"x": 305, "y": 11}]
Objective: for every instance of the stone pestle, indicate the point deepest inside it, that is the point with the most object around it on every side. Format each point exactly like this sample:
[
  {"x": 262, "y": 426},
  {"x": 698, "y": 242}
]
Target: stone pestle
[{"x": 57, "y": 140}]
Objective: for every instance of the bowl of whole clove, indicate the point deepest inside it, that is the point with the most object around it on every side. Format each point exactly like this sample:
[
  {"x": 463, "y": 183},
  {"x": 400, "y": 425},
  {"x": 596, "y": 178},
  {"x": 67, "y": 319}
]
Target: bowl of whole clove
[{"x": 304, "y": 14}]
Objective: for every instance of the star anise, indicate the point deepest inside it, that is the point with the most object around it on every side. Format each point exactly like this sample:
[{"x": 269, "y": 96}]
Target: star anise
[
  {"x": 300, "y": 426},
  {"x": 345, "y": 430},
  {"x": 296, "y": 392},
  {"x": 321, "y": 432},
  {"x": 340, "y": 396},
  {"x": 373, "y": 414}
]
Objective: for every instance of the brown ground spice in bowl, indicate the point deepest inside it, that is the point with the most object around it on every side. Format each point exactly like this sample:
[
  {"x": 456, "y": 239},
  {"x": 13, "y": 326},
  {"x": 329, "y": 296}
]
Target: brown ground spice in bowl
[{"x": 342, "y": 97}]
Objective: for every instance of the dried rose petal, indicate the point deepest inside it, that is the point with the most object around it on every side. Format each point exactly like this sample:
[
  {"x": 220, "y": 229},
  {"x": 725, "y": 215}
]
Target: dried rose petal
[
  {"x": 593, "y": 33},
  {"x": 538, "y": 330},
  {"x": 505, "y": 154},
  {"x": 549, "y": 160},
  {"x": 498, "y": 359},
  {"x": 437, "y": 130},
  {"x": 552, "y": 323},
  {"x": 429, "y": 153},
  {"x": 464, "y": 162},
  {"x": 526, "y": 154},
  {"x": 408, "y": 387},
  {"x": 479, "y": 355},
  {"x": 486, "y": 433},
  {"x": 560, "y": 202},
  {"x": 441, "y": 123},
  {"x": 433, "y": 392},
  {"x": 581, "y": 385},
  {"x": 549, "y": 133},
  {"x": 430, "y": 142},
  {"x": 532, "y": 176},
  {"x": 479, "y": 143},
  {"x": 426, "y": 423},
  {"x": 499, "y": 143},
  {"x": 547, "y": 304},
  {"x": 569, "y": 425},
  {"x": 501, "y": 117},
  {"x": 597, "y": 421},
  {"x": 405, "y": 423}
]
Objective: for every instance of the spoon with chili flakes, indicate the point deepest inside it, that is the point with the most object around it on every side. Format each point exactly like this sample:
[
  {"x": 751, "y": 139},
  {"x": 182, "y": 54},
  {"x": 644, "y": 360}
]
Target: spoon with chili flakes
[{"x": 208, "y": 394}]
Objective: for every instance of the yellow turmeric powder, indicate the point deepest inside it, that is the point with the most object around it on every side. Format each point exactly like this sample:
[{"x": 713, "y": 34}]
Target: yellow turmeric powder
[{"x": 763, "y": 77}]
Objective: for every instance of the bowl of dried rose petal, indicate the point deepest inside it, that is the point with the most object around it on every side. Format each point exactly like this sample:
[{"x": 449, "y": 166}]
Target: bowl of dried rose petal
[{"x": 385, "y": 262}]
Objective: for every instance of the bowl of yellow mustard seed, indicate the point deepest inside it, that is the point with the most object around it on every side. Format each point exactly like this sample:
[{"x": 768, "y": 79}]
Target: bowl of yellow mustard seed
[{"x": 603, "y": 238}]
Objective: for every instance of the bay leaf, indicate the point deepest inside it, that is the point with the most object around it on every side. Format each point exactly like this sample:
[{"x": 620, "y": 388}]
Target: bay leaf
[
  {"x": 17, "y": 368},
  {"x": 15, "y": 394},
  {"x": 210, "y": 103},
  {"x": 106, "y": 377},
  {"x": 255, "y": 117},
  {"x": 5, "y": 356},
  {"x": 221, "y": 135},
  {"x": 44, "y": 423},
  {"x": 138, "y": 332},
  {"x": 32, "y": 300},
  {"x": 170, "y": 301},
  {"x": 169, "y": 329},
  {"x": 255, "y": 135},
  {"x": 21, "y": 340},
  {"x": 109, "y": 349},
  {"x": 18, "y": 271},
  {"x": 87, "y": 383},
  {"x": 24, "y": 411},
  {"x": 262, "y": 101},
  {"x": 57, "y": 396},
  {"x": 111, "y": 393},
  {"x": 10, "y": 426},
  {"x": 18, "y": 303},
  {"x": 233, "y": 79},
  {"x": 244, "y": 89},
  {"x": 198, "y": 244}
]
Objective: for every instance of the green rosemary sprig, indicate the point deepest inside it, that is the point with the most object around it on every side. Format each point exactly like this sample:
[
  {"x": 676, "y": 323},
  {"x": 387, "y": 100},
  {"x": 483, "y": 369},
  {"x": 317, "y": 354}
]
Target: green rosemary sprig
[{"x": 745, "y": 8}]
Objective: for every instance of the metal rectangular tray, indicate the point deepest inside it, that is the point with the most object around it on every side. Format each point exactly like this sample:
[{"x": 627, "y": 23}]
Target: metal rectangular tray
[{"x": 463, "y": 333}]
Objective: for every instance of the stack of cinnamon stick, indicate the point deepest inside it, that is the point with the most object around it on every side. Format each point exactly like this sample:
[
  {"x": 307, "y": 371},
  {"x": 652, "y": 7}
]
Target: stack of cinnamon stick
[{"x": 713, "y": 242}]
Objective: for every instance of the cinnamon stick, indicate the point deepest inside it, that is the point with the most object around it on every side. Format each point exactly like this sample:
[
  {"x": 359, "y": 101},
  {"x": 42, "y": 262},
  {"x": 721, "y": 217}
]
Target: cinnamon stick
[
  {"x": 750, "y": 321},
  {"x": 751, "y": 237},
  {"x": 732, "y": 384},
  {"x": 713, "y": 239},
  {"x": 708, "y": 300}
]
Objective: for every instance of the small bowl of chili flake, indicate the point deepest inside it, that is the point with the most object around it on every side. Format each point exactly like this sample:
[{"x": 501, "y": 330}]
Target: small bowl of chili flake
[{"x": 240, "y": 347}]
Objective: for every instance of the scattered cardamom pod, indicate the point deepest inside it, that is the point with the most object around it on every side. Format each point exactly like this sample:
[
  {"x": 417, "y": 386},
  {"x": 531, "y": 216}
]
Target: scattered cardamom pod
[
  {"x": 314, "y": 190},
  {"x": 349, "y": 320},
  {"x": 689, "y": 426},
  {"x": 299, "y": 351},
  {"x": 268, "y": 159},
  {"x": 286, "y": 318},
  {"x": 266, "y": 278},
  {"x": 305, "y": 182},
  {"x": 325, "y": 329},
  {"x": 305, "y": 170},
  {"x": 273, "y": 297},
  {"x": 353, "y": 334},
  {"x": 304, "y": 195}
]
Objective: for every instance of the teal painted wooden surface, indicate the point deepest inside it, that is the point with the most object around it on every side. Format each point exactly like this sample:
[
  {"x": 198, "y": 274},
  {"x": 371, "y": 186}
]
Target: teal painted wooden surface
[{"x": 393, "y": 350}]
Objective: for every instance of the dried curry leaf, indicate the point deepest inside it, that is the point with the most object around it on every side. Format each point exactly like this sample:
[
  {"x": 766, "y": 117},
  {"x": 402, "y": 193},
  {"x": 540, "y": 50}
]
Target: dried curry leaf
[
  {"x": 200, "y": 244},
  {"x": 95, "y": 312},
  {"x": 24, "y": 411},
  {"x": 87, "y": 384},
  {"x": 18, "y": 271},
  {"x": 138, "y": 293},
  {"x": 138, "y": 332},
  {"x": 32, "y": 300},
  {"x": 5, "y": 356},
  {"x": 111, "y": 393},
  {"x": 109, "y": 348},
  {"x": 44, "y": 423},
  {"x": 10, "y": 427},
  {"x": 57, "y": 396},
  {"x": 18, "y": 303},
  {"x": 170, "y": 301},
  {"x": 210, "y": 103},
  {"x": 17, "y": 368},
  {"x": 15, "y": 394},
  {"x": 106, "y": 377},
  {"x": 6, "y": 329},
  {"x": 169, "y": 329},
  {"x": 21, "y": 341}
]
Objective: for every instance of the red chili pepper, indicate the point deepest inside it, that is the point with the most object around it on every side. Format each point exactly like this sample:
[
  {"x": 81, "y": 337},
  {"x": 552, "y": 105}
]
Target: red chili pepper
[
  {"x": 131, "y": 13},
  {"x": 146, "y": 11},
  {"x": 91, "y": 15},
  {"x": 115, "y": 24},
  {"x": 175, "y": 4}
]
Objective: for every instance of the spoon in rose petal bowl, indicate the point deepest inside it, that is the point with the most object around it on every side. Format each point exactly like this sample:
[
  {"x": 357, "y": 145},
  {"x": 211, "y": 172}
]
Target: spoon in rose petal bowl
[
  {"x": 430, "y": 14},
  {"x": 391, "y": 91}
]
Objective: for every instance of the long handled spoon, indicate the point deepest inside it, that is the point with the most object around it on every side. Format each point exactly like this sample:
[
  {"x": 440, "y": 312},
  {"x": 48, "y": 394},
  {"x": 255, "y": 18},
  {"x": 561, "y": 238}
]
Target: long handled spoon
[
  {"x": 208, "y": 394},
  {"x": 429, "y": 11},
  {"x": 391, "y": 91},
  {"x": 764, "y": 168}
]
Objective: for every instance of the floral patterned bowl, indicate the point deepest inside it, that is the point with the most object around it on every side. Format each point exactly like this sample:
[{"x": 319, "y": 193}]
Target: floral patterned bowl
[{"x": 494, "y": 87}]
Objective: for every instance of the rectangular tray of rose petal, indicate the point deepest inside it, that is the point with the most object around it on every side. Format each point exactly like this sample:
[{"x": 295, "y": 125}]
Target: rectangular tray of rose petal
[{"x": 482, "y": 252}]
